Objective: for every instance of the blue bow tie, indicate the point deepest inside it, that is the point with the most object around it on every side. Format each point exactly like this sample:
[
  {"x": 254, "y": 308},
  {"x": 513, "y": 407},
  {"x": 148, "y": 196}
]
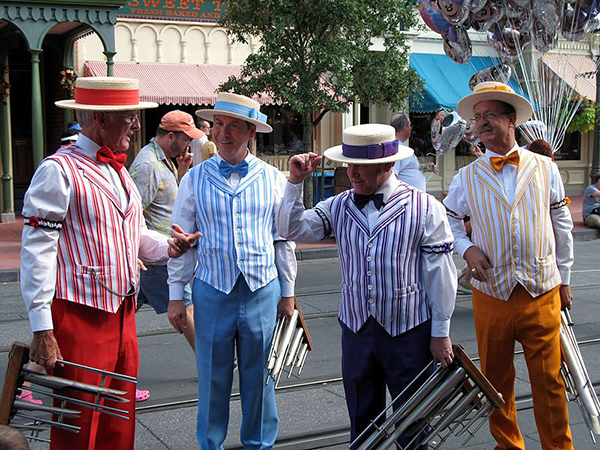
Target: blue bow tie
[
  {"x": 362, "y": 199},
  {"x": 226, "y": 169}
]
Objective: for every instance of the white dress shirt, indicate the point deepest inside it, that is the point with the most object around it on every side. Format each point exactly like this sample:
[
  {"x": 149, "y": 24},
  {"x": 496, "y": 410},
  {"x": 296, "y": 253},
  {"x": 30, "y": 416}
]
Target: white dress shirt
[
  {"x": 181, "y": 270},
  {"x": 48, "y": 198}
]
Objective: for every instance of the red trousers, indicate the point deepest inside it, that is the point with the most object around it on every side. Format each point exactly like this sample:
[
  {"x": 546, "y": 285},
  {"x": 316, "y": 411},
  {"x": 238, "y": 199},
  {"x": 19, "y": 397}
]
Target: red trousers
[
  {"x": 535, "y": 323},
  {"x": 103, "y": 340}
]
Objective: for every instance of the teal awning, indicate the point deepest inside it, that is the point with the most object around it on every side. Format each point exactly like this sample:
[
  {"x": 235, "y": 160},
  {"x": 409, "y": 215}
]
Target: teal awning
[{"x": 446, "y": 82}]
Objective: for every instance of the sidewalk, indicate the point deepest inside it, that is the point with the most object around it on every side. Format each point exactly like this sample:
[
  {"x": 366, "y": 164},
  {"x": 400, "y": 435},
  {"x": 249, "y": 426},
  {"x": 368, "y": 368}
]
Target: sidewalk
[{"x": 10, "y": 243}]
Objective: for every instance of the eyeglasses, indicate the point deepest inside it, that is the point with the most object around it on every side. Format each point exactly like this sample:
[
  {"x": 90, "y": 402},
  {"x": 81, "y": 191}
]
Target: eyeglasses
[
  {"x": 491, "y": 115},
  {"x": 130, "y": 118}
]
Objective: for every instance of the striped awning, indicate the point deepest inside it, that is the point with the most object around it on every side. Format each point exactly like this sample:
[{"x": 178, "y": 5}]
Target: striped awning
[
  {"x": 578, "y": 71},
  {"x": 173, "y": 84}
]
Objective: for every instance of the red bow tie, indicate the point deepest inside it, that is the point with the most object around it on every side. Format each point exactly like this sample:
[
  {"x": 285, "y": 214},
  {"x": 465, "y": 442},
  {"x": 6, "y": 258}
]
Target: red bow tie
[{"x": 116, "y": 160}]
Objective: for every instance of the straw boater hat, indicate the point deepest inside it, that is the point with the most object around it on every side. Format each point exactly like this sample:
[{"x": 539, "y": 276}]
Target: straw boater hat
[
  {"x": 492, "y": 90},
  {"x": 372, "y": 143},
  {"x": 237, "y": 106},
  {"x": 106, "y": 94}
]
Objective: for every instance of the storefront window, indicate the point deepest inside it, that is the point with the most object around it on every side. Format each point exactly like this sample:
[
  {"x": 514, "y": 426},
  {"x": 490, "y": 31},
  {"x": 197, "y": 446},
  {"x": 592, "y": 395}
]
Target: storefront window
[
  {"x": 570, "y": 149},
  {"x": 286, "y": 138}
]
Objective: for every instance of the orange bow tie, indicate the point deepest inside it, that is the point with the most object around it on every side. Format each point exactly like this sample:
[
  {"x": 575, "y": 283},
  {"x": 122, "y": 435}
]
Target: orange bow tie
[{"x": 498, "y": 162}]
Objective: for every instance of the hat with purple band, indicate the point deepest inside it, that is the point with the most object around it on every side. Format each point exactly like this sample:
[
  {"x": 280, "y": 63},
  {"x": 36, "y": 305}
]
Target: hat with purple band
[
  {"x": 371, "y": 143},
  {"x": 239, "y": 107}
]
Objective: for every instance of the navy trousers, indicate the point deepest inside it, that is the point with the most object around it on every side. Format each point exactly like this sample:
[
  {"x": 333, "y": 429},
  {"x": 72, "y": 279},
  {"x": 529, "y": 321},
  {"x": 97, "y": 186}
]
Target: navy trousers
[{"x": 372, "y": 360}]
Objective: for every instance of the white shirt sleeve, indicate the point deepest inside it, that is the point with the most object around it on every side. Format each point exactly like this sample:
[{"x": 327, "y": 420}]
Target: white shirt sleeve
[
  {"x": 285, "y": 251},
  {"x": 47, "y": 198},
  {"x": 562, "y": 224},
  {"x": 457, "y": 208},
  {"x": 439, "y": 271},
  {"x": 181, "y": 270},
  {"x": 293, "y": 222},
  {"x": 408, "y": 170}
]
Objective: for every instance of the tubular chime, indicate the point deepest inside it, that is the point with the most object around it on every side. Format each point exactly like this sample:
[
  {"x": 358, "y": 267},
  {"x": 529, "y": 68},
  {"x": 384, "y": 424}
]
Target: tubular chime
[
  {"x": 576, "y": 377},
  {"x": 31, "y": 418},
  {"x": 289, "y": 348},
  {"x": 456, "y": 400}
]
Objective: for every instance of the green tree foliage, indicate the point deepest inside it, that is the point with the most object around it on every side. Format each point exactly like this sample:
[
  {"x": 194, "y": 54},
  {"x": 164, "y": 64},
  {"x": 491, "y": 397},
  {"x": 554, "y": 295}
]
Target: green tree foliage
[{"x": 315, "y": 55}]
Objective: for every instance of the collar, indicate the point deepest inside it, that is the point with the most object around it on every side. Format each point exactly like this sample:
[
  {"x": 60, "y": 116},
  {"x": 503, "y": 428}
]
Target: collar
[
  {"x": 158, "y": 150},
  {"x": 87, "y": 146},
  {"x": 249, "y": 157},
  {"x": 490, "y": 154},
  {"x": 388, "y": 188}
]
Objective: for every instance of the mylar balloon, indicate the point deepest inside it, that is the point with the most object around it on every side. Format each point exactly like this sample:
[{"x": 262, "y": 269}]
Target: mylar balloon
[
  {"x": 546, "y": 13},
  {"x": 451, "y": 136},
  {"x": 432, "y": 17},
  {"x": 436, "y": 129},
  {"x": 543, "y": 40},
  {"x": 476, "y": 5},
  {"x": 455, "y": 12},
  {"x": 485, "y": 17},
  {"x": 500, "y": 73},
  {"x": 513, "y": 9},
  {"x": 471, "y": 135},
  {"x": 457, "y": 45}
]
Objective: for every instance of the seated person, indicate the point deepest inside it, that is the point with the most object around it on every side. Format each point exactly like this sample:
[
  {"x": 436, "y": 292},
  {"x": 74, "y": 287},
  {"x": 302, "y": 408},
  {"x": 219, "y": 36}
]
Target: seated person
[{"x": 591, "y": 204}]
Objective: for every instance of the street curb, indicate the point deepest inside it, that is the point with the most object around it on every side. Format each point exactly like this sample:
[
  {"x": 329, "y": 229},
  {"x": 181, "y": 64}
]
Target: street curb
[
  {"x": 316, "y": 253},
  {"x": 9, "y": 276}
]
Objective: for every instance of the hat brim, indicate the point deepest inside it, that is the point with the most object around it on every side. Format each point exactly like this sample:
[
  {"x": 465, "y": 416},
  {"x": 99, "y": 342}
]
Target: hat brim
[
  {"x": 209, "y": 114},
  {"x": 72, "y": 104},
  {"x": 522, "y": 106},
  {"x": 335, "y": 154}
]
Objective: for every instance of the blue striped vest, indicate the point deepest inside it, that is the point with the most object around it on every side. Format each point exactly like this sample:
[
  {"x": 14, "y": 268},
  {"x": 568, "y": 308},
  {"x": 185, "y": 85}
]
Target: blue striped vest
[
  {"x": 237, "y": 226},
  {"x": 381, "y": 269}
]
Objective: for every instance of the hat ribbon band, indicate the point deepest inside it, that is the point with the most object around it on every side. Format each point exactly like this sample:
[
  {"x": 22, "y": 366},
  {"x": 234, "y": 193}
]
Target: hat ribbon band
[
  {"x": 246, "y": 111},
  {"x": 497, "y": 88},
  {"x": 108, "y": 97},
  {"x": 374, "y": 151}
]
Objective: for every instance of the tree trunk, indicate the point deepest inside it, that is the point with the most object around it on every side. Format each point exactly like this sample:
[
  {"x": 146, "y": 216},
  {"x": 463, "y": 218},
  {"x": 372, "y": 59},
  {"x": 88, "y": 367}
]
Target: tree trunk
[{"x": 307, "y": 139}]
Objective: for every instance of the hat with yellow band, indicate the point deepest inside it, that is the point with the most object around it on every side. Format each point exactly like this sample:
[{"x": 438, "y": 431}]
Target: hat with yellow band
[{"x": 492, "y": 90}]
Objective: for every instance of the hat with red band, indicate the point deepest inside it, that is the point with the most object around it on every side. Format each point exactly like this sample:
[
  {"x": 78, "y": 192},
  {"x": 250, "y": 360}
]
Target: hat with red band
[{"x": 106, "y": 94}]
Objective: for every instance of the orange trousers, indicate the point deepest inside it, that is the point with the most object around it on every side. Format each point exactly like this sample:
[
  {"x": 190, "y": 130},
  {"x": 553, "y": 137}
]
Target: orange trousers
[
  {"x": 535, "y": 323},
  {"x": 106, "y": 341}
]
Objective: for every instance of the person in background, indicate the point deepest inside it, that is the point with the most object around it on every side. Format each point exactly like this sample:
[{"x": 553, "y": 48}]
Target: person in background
[
  {"x": 197, "y": 144},
  {"x": 591, "y": 204},
  {"x": 541, "y": 147},
  {"x": 157, "y": 179},
  {"x": 408, "y": 169}
]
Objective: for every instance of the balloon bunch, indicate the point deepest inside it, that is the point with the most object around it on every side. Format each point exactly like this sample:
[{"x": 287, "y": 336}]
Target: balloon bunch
[{"x": 510, "y": 24}]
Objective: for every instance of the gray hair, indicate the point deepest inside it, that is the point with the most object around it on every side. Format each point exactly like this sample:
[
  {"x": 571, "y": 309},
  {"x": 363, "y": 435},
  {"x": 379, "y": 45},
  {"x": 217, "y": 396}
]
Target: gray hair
[
  {"x": 84, "y": 117},
  {"x": 399, "y": 121}
]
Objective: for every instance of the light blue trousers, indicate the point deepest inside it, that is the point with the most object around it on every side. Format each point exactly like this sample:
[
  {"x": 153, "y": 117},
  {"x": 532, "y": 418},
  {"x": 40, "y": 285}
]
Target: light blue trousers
[{"x": 246, "y": 319}]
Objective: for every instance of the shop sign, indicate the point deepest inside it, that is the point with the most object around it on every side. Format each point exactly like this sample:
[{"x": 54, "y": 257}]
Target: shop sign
[{"x": 190, "y": 10}]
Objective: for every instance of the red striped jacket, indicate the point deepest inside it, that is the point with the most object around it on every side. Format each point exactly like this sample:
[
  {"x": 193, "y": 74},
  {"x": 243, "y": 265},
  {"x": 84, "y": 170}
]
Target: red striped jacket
[{"x": 99, "y": 242}]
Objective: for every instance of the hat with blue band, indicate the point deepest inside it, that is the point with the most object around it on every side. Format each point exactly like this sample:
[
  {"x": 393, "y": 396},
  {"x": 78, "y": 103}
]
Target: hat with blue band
[
  {"x": 239, "y": 107},
  {"x": 371, "y": 143}
]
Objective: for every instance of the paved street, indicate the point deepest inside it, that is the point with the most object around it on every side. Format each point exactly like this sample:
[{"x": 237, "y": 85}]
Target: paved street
[{"x": 311, "y": 406}]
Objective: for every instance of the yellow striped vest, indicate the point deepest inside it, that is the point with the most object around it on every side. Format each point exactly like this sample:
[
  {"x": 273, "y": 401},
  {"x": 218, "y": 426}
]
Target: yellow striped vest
[{"x": 518, "y": 239}]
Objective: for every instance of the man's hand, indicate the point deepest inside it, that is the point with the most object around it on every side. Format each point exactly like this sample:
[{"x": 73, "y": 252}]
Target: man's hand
[
  {"x": 177, "y": 315},
  {"x": 184, "y": 161},
  {"x": 566, "y": 297},
  {"x": 477, "y": 263},
  {"x": 181, "y": 241},
  {"x": 44, "y": 349},
  {"x": 303, "y": 165},
  {"x": 286, "y": 306},
  {"x": 441, "y": 350}
]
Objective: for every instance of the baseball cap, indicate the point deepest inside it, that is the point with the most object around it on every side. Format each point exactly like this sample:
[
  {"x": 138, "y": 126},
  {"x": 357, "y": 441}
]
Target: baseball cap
[{"x": 180, "y": 121}]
